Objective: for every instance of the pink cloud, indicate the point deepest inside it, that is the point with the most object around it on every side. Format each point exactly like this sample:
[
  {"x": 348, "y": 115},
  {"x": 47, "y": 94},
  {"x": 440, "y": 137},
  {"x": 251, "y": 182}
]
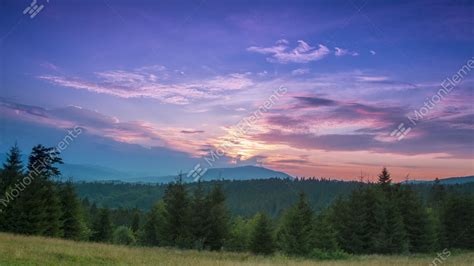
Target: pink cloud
[
  {"x": 303, "y": 53},
  {"x": 141, "y": 83}
]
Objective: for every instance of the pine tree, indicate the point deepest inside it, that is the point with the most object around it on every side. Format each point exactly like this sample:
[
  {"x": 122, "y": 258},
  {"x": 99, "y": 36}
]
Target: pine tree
[
  {"x": 31, "y": 210},
  {"x": 374, "y": 202},
  {"x": 12, "y": 169},
  {"x": 417, "y": 223},
  {"x": 358, "y": 238},
  {"x": 384, "y": 179},
  {"x": 53, "y": 211},
  {"x": 324, "y": 233},
  {"x": 152, "y": 229},
  {"x": 177, "y": 215},
  {"x": 73, "y": 225},
  {"x": 262, "y": 241},
  {"x": 42, "y": 161},
  {"x": 394, "y": 231},
  {"x": 135, "y": 221},
  {"x": 102, "y": 228},
  {"x": 218, "y": 219},
  {"x": 458, "y": 221},
  {"x": 200, "y": 213},
  {"x": 10, "y": 175},
  {"x": 437, "y": 194},
  {"x": 294, "y": 235},
  {"x": 339, "y": 217},
  {"x": 240, "y": 234},
  {"x": 39, "y": 204}
]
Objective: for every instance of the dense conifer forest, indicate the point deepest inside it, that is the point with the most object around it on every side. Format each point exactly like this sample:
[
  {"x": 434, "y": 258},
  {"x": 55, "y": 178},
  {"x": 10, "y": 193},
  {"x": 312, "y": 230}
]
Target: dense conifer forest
[{"x": 307, "y": 218}]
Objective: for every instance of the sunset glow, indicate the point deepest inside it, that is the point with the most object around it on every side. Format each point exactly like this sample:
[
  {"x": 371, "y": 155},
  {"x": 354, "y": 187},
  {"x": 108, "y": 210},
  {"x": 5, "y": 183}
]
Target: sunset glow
[{"x": 176, "y": 84}]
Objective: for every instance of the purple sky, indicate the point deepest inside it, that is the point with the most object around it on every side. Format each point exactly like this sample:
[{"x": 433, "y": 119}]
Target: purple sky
[{"x": 156, "y": 85}]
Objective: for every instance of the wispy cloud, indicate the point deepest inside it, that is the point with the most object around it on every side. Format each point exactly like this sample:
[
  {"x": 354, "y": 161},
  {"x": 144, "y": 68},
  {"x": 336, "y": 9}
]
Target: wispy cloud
[
  {"x": 192, "y": 131},
  {"x": 300, "y": 71},
  {"x": 303, "y": 53},
  {"x": 144, "y": 82},
  {"x": 342, "y": 52}
]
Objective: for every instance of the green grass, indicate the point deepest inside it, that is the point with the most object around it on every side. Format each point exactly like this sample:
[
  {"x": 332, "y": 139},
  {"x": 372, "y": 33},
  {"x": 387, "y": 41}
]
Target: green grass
[{"x": 22, "y": 250}]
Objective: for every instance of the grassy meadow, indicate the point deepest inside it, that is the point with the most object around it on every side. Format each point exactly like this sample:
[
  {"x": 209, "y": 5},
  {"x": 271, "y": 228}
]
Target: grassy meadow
[{"x": 23, "y": 250}]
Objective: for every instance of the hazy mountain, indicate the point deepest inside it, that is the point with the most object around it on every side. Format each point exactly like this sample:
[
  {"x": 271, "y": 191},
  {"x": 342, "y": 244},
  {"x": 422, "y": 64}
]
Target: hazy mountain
[
  {"x": 232, "y": 173},
  {"x": 80, "y": 172},
  {"x": 242, "y": 173},
  {"x": 444, "y": 181},
  {"x": 98, "y": 173}
]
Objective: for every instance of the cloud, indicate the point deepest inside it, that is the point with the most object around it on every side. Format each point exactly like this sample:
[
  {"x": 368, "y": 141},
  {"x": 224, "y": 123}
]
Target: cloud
[
  {"x": 356, "y": 126},
  {"x": 300, "y": 71},
  {"x": 93, "y": 122},
  {"x": 372, "y": 78},
  {"x": 433, "y": 137},
  {"x": 303, "y": 53},
  {"x": 192, "y": 131},
  {"x": 145, "y": 83},
  {"x": 342, "y": 52},
  {"x": 285, "y": 121},
  {"x": 308, "y": 101},
  {"x": 372, "y": 52}
]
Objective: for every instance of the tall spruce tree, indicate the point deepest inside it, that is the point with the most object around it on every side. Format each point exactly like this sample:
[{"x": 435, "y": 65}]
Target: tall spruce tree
[
  {"x": 39, "y": 204},
  {"x": 295, "y": 233},
  {"x": 262, "y": 240},
  {"x": 153, "y": 228},
  {"x": 177, "y": 215},
  {"x": 135, "y": 221},
  {"x": 338, "y": 216},
  {"x": 12, "y": 169},
  {"x": 384, "y": 179},
  {"x": 10, "y": 174},
  {"x": 200, "y": 213},
  {"x": 393, "y": 231},
  {"x": 374, "y": 201},
  {"x": 418, "y": 226},
  {"x": 73, "y": 224},
  {"x": 53, "y": 211},
  {"x": 324, "y": 233},
  {"x": 458, "y": 221},
  {"x": 218, "y": 219},
  {"x": 358, "y": 238},
  {"x": 102, "y": 227}
]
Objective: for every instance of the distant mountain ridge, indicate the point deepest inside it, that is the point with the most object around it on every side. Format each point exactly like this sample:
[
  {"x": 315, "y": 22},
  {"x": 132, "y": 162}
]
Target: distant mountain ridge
[
  {"x": 99, "y": 173},
  {"x": 231, "y": 173},
  {"x": 444, "y": 181},
  {"x": 91, "y": 173}
]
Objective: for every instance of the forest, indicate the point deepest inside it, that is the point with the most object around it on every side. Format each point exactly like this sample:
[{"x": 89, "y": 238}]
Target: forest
[
  {"x": 243, "y": 197},
  {"x": 377, "y": 218}
]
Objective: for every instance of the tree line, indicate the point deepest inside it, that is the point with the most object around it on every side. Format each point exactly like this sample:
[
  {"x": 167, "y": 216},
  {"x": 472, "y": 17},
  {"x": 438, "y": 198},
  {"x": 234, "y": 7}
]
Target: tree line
[
  {"x": 379, "y": 218},
  {"x": 271, "y": 196}
]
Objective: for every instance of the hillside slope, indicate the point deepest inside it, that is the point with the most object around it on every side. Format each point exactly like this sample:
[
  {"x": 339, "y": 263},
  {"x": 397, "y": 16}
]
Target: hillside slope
[{"x": 23, "y": 250}]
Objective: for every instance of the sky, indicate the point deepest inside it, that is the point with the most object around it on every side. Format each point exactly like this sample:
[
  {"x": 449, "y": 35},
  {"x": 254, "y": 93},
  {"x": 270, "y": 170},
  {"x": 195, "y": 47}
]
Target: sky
[{"x": 322, "y": 86}]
